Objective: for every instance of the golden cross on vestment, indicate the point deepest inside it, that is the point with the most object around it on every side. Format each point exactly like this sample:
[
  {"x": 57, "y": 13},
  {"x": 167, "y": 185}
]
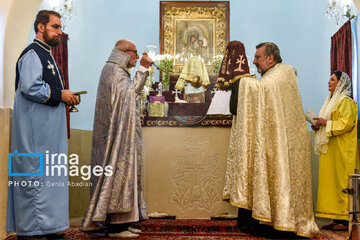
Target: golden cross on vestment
[
  {"x": 240, "y": 61},
  {"x": 229, "y": 63}
]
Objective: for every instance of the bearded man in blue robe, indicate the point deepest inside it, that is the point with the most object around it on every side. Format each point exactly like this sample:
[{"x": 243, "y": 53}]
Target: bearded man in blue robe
[{"x": 39, "y": 209}]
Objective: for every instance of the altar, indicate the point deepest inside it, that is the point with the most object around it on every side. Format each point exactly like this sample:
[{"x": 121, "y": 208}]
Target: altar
[
  {"x": 186, "y": 114},
  {"x": 183, "y": 171},
  {"x": 191, "y": 50},
  {"x": 184, "y": 158}
]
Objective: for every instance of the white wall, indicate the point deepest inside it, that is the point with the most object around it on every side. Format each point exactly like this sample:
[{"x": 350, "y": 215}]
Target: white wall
[
  {"x": 4, "y": 12},
  {"x": 302, "y": 32},
  {"x": 92, "y": 38},
  {"x": 300, "y": 28}
]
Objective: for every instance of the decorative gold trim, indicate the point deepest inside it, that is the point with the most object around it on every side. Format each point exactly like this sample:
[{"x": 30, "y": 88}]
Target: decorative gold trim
[
  {"x": 222, "y": 85},
  {"x": 223, "y": 122},
  {"x": 268, "y": 220},
  {"x": 175, "y": 123},
  {"x": 218, "y": 14}
]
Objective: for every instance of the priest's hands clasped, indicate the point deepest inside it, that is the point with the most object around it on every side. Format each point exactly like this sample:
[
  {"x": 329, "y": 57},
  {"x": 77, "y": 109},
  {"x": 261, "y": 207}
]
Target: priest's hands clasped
[{"x": 69, "y": 98}]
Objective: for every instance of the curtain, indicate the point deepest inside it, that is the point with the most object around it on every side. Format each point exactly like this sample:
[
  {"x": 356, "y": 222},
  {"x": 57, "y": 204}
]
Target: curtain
[
  {"x": 341, "y": 56},
  {"x": 60, "y": 54}
]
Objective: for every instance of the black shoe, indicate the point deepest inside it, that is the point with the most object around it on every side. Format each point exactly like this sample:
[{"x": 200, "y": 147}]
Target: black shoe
[
  {"x": 35, "y": 237},
  {"x": 277, "y": 234},
  {"x": 55, "y": 235},
  {"x": 245, "y": 222}
]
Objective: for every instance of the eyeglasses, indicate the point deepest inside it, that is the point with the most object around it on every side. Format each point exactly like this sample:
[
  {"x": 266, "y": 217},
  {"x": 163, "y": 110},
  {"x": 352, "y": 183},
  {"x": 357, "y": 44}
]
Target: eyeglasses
[
  {"x": 57, "y": 27},
  {"x": 131, "y": 50}
]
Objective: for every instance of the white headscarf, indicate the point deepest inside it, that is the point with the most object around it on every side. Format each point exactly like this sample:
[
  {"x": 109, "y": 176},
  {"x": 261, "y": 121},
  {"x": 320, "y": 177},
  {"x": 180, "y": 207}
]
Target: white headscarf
[{"x": 343, "y": 89}]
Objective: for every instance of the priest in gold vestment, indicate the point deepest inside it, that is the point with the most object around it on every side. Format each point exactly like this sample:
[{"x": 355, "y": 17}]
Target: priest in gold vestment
[{"x": 268, "y": 172}]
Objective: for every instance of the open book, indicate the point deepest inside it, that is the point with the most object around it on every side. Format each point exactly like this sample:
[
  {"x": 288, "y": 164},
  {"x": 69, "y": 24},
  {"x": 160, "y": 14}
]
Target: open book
[
  {"x": 220, "y": 103},
  {"x": 310, "y": 114}
]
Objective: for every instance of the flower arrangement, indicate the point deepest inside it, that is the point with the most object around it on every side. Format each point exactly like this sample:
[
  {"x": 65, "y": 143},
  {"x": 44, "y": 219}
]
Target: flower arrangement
[
  {"x": 217, "y": 63},
  {"x": 165, "y": 63}
]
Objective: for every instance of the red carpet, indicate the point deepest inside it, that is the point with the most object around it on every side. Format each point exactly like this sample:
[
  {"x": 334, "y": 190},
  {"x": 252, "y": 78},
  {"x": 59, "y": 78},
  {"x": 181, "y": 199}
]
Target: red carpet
[{"x": 169, "y": 229}]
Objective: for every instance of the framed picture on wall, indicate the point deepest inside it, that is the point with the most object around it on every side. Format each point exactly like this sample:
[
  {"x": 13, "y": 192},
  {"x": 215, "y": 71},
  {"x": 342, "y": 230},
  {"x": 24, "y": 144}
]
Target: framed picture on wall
[{"x": 196, "y": 28}]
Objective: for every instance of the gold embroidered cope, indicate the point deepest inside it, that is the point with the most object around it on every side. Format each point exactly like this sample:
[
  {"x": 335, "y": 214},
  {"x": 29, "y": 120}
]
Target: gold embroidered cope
[{"x": 268, "y": 165}]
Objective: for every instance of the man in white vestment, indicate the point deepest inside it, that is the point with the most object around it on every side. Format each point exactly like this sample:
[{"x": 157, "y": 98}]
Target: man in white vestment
[
  {"x": 117, "y": 200},
  {"x": 268, "y": 172}
]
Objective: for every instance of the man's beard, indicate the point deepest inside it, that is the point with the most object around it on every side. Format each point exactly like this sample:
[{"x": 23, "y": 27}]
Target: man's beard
[
  {"x": 259, "y": 69},
  {"x": 51, "y": 41},
  {"x": 132, "y": 64}
]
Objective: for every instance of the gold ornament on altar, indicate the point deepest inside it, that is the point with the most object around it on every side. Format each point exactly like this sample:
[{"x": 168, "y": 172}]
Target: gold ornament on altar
[
  {"x": 151, "y": 52},
  {"x": 143, "y": 98},
  {"x": 157, "y": 109}
]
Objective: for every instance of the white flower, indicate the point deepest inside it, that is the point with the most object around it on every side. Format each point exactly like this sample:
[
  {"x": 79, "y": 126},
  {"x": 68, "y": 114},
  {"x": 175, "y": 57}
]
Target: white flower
[
  {"x": 169, "y": 57},
  {"x": 218, "y": 57},
  {"x": 161, "y": 57}
]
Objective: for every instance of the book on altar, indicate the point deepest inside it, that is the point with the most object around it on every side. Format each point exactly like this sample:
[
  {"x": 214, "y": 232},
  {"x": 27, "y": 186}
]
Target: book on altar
[{"x": 220, "y": 103}]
